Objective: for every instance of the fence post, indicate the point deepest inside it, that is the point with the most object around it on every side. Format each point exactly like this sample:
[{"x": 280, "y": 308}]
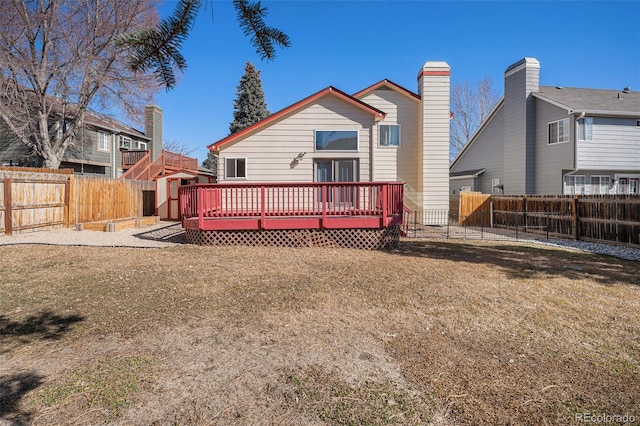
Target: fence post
[
  {"x": 547, "y": 224},
  {"x": 524, "y": 213},
  {"x": 8, "y": 221},
  {"x": 415, "y": 223},
  {"x": 491, "y": 211},
  {"x": 574, "y": 205}
]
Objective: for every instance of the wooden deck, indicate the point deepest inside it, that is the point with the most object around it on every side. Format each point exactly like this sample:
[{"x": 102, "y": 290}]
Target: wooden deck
[{"x": 291, "y": 206}]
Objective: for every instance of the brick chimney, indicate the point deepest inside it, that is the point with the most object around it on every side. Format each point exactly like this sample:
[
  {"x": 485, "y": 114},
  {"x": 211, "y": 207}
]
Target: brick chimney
[
  {"x": 153, "y": 129},
  {"x": 520, "y": 80},
  {"x": 434, "y": 89}
]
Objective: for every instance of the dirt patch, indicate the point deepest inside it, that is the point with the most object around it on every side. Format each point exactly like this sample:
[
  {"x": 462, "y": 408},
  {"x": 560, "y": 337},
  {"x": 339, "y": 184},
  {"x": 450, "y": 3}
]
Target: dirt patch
[{"x": 433, "y": 333}]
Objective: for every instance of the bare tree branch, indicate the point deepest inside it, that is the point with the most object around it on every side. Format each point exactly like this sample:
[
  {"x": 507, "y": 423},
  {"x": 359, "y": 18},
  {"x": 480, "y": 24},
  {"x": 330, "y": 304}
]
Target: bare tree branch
[
  {"x": 470, "y": 107},
  {"x": 58, "y": 58}
]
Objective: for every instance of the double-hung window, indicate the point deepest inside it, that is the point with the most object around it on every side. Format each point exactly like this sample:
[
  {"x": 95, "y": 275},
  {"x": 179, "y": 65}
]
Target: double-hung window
[
  {"x": 585, "y": 129},
  {"x": 389, "y": 135},
  {"x": 559, "y": 131},
  {"x": 103, "y": 141},
  {"x": 235, "y": 168}
]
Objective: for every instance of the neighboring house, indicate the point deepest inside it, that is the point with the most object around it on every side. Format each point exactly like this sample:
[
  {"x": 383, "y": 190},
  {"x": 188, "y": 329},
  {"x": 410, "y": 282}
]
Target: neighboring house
[
  {"x": 553, "y": 140},
  {"x": 382, "y": 133},
  {"x": 99, "y": 145}
]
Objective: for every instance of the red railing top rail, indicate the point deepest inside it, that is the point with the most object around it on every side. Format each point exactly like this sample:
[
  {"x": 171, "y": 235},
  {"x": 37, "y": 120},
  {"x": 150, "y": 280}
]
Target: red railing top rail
[{"x": 292, "y": 184}]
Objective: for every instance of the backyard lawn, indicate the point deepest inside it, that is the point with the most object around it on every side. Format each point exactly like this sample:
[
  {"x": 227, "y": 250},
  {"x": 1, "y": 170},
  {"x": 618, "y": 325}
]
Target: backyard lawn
[{"x": 436, "y": 332}]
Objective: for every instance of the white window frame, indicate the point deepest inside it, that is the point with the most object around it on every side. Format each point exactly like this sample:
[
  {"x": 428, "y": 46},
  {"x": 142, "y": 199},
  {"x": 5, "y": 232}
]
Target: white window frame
[
  {"x": 140, "y": 145},
  {"x": 597, "y": 189},
  {"x": 226, "y": 168},
  {"x": 495, "y": 183},
  {"x": 123, "y": 142},
  {"x": 389, "y": 145},
  {"x": 104, "y": 141},
  {"x": 554, "y": 133},
  {"x": 585, "y": 129},
  {"x": 571, "y": 189},
  {"x": 465, "y": 188},
  {"x": 315, "y": 138}
]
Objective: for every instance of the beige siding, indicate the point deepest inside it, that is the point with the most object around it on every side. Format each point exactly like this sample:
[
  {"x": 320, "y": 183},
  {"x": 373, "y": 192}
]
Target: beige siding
[
  {"x": 434, "y": 90},
  {"x": 273, "y": 154},
  {"x": 391, "y": 163}
]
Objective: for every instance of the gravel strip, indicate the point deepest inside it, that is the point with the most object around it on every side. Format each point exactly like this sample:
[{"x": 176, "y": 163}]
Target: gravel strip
[
  {"x": 622, "y": 252},
  {"x": 163, "y": 234}
]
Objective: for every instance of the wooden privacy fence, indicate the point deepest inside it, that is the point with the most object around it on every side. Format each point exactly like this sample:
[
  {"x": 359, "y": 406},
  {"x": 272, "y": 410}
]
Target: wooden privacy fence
[
  {"x": 605, "y": 218},
  {"x": 98, "y": 199},
  {"x": 44, "y": 199}
]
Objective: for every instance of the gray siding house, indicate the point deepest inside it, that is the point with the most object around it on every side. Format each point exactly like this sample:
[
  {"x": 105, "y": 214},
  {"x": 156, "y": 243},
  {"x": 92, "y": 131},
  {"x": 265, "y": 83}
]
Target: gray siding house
[
  {"x": 99, "y": 145},
  {"x": 552, "y": 140}
]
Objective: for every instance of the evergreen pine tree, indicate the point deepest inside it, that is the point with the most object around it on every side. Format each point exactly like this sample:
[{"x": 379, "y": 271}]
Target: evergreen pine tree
[
  {"x": 211, "y": 162},
  {"x": 250, "y": 105}
]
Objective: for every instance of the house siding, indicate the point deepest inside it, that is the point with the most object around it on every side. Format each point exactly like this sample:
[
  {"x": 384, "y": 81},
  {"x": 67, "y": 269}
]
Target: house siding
[
  {"x": 615, "y": 146},
  {"x": 434, "y": 88},
  {"x": 391, "y": 163},
  {"x": 272, "y": 153},
  {"x": 486, "y": 152},
  {"x": 12, "y": 151},
  {"x": 552, "y": 159},
  {"x": 519, "y": 127}
]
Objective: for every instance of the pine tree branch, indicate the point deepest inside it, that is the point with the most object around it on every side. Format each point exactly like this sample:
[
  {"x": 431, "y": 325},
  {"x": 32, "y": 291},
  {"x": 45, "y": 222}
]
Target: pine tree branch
[{"x": 251, "y": 20}]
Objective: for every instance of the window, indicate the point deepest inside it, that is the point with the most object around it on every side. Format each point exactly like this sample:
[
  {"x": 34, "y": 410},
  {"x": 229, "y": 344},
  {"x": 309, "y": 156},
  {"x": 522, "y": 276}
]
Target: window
[
  {"x": 585, "y": 129},
  {"x": 139, "y": 145},
  {"x": 103, "y": 141},
  {"x": 574, "y": 185},
  {"x": 235, "y": 168},
  {"x": 637, "y": 123},
  {"x": 559, "y": 131},
  {"x": 125, "y": 142},
  {"x": 600, "y": 184},
  {"x": 336, "y": 140},
  {"x": 495, "y": 186},
  {"x": 389, "y": 135}
]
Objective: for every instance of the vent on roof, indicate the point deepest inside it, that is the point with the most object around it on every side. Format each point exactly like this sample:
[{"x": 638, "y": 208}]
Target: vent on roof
[
  {"x": 626, "y": 89},
  {"x": 559, "y": 87}
]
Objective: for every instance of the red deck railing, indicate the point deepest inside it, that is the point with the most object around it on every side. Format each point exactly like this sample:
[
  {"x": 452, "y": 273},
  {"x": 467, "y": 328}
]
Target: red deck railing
[{"x": 291, "y": 205}]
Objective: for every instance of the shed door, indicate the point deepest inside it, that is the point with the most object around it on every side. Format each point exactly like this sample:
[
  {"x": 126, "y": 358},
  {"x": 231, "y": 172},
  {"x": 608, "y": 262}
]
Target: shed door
[{"x": 173, "y": 203}]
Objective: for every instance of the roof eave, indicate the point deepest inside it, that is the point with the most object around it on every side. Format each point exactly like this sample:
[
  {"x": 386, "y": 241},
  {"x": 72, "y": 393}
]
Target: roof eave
[{"x": 378, "y": 115}]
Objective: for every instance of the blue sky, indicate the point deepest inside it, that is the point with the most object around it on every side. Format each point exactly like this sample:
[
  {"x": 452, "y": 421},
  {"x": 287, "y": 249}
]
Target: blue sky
[{"x": 352, "y": 44}]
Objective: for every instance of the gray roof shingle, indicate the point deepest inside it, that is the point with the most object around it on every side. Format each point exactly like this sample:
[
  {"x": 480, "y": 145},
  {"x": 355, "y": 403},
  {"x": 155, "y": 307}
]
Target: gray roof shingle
[{"x": 615, "y": 102}]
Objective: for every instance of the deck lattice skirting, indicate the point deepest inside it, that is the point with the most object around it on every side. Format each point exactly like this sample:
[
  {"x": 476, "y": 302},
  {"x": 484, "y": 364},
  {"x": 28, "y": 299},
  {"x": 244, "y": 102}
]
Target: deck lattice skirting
[{"x": 368, "y": 239}]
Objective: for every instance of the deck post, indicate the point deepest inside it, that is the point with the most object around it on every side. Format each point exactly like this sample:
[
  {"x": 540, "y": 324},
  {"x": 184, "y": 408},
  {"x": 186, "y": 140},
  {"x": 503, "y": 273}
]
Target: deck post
[
  {"x": 263, "y": 216},
  {"x": 200, "y": 206},
  {"x": 324, "y": 207},
  {"x": 385, "y": 219}
]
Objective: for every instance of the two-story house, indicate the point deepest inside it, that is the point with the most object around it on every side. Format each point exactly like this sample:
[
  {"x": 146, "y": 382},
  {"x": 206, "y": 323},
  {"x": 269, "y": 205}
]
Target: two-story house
[
  {"x": 98, "y": 146},
  {"x": 553, "y": 140},
  {"x": 381, "y": 133}
]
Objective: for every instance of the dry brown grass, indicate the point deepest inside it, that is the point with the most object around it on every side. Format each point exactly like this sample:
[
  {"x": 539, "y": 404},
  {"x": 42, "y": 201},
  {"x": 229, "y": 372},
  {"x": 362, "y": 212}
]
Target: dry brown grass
[{"x": 433, "y": 333}]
